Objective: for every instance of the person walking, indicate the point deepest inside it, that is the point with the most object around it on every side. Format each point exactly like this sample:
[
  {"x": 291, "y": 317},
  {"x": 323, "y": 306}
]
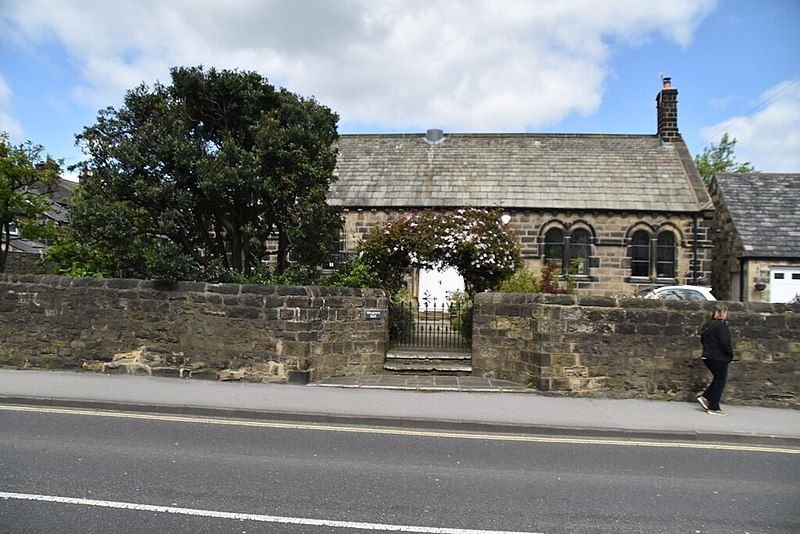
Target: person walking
[{"x": 717, "y": 355}]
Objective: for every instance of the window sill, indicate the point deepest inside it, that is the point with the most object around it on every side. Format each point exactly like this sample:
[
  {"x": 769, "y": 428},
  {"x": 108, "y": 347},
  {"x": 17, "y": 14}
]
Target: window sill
[{"x": 579, "y": 278}]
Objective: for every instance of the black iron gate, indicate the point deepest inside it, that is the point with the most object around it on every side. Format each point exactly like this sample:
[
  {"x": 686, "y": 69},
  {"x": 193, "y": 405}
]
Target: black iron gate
[{"x": 428, "y": 324}]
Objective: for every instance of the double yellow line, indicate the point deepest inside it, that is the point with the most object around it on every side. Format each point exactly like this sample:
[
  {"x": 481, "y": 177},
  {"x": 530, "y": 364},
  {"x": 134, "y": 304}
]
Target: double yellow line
[{"x": 186, "y": 419}]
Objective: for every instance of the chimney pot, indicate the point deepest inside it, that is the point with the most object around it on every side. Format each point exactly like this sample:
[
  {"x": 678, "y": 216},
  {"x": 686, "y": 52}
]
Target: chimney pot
[{"x": 667, "y": 82}]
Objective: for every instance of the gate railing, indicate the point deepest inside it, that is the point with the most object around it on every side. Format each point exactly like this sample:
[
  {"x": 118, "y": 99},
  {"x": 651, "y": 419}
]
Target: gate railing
[{"x": 429, "y": 324}]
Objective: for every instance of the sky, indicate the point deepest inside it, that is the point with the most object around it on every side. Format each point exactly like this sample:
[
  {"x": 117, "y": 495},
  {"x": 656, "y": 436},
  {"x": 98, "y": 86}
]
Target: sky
[{"x": 392, "y": 66}]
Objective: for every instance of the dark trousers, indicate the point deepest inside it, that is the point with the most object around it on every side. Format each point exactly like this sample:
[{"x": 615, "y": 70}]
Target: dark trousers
[{"x": 713, "y": 392}]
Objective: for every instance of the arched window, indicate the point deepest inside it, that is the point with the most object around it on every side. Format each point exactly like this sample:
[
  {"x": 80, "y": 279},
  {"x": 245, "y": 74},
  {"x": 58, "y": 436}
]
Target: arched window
[
  {"x": 579, "y": 249},
  {"x": 665, "y": 255},
  {"x": 640, "y": 254},
  {"x": 554, "y": 247}
]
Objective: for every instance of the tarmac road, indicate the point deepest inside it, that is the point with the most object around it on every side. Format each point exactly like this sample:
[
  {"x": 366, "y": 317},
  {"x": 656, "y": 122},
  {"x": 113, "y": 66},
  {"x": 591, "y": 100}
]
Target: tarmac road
[{"x": 389, "y": 479}]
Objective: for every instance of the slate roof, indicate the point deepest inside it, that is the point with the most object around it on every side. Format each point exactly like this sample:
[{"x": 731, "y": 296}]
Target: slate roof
[
  {"x": 27, "y": 246},
  {"x": 765, "y": 208},
  {"x": 536, "y": 171},
  {"x": 59, "y": 194},
  {"x": 60, "y": 191}
]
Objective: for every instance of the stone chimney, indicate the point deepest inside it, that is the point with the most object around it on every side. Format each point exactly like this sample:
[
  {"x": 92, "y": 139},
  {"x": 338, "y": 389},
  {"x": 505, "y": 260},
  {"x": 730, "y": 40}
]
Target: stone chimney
[{"x": 667, "y": 105}]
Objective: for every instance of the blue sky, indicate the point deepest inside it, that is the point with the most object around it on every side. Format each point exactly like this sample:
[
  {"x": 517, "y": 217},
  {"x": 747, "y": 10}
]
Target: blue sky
[{"x": 405, "y": 66}]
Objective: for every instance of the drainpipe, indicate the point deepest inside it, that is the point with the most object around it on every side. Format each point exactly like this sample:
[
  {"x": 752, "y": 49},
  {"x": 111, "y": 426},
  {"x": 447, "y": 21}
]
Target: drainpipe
[
  {"x": 695, "y": 271},
  {"x": 742, "y": 278}
]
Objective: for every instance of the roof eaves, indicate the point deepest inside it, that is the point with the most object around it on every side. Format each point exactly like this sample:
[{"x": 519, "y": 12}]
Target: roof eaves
[{"x": 693, "y": 177}]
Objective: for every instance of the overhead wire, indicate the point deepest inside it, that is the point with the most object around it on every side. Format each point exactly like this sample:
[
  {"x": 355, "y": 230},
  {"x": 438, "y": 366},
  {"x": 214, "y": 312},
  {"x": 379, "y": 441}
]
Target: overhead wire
[{"x": 749, "y": 113}]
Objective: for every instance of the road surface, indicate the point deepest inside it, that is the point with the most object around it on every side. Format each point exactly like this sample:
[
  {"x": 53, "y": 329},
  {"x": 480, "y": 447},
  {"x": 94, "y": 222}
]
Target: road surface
[{"x": 82, "y": 471}]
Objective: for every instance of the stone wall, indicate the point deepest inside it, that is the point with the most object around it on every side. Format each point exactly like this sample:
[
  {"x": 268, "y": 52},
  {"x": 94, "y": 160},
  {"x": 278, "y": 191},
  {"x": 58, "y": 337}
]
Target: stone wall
[
  {"x": 611, "y": 232},
  {"x": 60, "y": 322},
  {"x": 21, "y": 263},
  {"x": 727, "y": 248},
  {"x": 604, "y": 346}
]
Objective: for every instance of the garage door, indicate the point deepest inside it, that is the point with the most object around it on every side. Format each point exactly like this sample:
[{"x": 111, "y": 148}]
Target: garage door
[{"x": 784, "y": 283}]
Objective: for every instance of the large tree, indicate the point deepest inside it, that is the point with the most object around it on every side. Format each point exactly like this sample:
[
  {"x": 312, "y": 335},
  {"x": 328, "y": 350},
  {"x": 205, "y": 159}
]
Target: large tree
[
  {"x": 720, "y": 158},
  {"x": 192, "y": 180},
  {"x": 23, "y": 168}
]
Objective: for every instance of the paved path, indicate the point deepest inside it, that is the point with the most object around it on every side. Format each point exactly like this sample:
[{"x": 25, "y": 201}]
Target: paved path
[
  {"x": 445, "y": 409},
  {"x": 471, "y": 384}
]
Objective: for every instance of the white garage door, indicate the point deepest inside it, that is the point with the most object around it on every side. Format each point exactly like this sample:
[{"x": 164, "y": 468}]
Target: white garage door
[{"x": 784, "y": 283}]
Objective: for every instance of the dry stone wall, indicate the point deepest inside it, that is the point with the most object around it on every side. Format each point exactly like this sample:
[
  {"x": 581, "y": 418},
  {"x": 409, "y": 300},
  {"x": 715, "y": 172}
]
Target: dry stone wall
[
  {"x": 604, "y": 346},
  {"x": 193, "y": 329}
]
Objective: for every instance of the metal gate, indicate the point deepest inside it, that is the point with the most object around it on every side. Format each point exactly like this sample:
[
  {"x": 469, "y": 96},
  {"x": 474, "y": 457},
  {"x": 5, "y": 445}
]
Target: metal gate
[{"x": 428, "y": 324}]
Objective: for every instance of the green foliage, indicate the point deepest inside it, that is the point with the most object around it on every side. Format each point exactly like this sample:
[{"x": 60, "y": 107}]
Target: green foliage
[
  {"x": 720, "y": 158},
  {"x": 354, "y": 273},
  {"x": 298, "y": 275},
  {"x": 191, "y": 180},
  {"x": 461, "y": 313},
  {"x": 473, "y": 241},
  {"x": 71, "y": 258},
  {"x": 575, "y": 267},
  {"x": 524, "y": 281},
  {"x": 38, "y": 230},
  {"x": 22, "y": 167},
  {"x": 531, "y": 381},
  {"x": 350, "y": 273}
]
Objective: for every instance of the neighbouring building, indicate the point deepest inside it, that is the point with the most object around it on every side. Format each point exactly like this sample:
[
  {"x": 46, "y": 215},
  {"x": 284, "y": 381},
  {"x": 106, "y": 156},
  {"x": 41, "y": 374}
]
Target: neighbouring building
[
  {"x": 24, "y": 253},
  {"x": 59, "y": 194},
  {"x": 756, "y": 236},
  {"x": 633, "y": 208}
]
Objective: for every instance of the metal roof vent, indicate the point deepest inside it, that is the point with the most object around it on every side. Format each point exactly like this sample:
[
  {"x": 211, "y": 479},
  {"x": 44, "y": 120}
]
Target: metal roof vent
[{"x": 434, "y": 135}]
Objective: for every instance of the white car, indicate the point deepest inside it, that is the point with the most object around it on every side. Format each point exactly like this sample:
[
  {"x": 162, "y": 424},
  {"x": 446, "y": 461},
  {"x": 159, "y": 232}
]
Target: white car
[{"x": 698, "y": 293}]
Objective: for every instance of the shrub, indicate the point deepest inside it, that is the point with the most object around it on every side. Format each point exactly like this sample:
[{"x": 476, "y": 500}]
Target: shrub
[
  {"x": 354, "y": 273},
  {"x": 461, "y": 314},
  {"x": 524, "y": 281},
  {"x": 473, "y": 241}
]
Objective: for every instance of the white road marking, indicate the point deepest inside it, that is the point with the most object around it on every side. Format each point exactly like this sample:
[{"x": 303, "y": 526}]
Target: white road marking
[
  {"x": 249, "y": 517},
  {"x": 401, "y": 432}
]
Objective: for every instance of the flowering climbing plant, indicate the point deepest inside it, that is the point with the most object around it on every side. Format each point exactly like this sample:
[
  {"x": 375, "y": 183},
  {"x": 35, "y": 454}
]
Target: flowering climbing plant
[{"x": 474, "y": 241}]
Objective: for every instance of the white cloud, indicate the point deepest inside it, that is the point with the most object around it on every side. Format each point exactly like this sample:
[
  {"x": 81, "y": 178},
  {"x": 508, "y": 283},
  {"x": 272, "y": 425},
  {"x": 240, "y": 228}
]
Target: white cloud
[
  {"x": 770, "y": 137},
  {"x": 499, "y": 65},
  {"x": 8, "y": 123}
]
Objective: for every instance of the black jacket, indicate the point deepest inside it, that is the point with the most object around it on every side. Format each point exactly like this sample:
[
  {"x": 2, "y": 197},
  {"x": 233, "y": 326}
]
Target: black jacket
[{"x": 716, "y": 339}]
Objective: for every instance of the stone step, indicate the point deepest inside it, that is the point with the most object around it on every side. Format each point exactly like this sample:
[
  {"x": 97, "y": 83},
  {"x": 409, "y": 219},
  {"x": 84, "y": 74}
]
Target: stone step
[
  {"x": 428, "y": 362},
  {"x": 428, "y": 355},
  {"x": 427, "y": 368}
]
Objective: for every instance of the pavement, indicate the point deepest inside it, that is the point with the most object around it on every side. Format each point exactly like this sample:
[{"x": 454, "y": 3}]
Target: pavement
[
  {"x": 480, "y": 409},
  {"x": 431, "y": 383}
]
